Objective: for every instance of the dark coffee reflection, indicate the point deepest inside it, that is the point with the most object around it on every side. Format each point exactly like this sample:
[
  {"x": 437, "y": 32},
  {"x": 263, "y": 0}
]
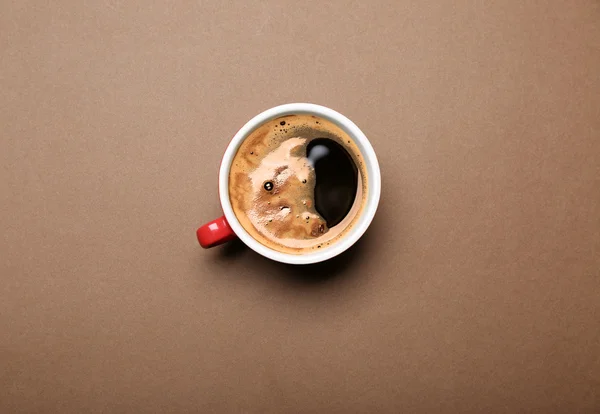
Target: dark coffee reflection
[{"x": 336, "y": 179}]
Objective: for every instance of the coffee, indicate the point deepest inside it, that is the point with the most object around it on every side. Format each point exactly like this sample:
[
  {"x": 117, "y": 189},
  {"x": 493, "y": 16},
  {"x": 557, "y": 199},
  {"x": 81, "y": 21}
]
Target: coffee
[
  {"x": 297, "y": 183},
  {"x": 336, "y": 179}
]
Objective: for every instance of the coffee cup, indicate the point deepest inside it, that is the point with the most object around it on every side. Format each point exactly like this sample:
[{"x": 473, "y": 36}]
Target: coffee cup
[{"x": 299, "y": 184}]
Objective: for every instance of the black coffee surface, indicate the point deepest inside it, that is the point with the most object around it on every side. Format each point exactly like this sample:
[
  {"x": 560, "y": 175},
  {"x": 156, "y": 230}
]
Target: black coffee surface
[{"x": 336, "y": 179}]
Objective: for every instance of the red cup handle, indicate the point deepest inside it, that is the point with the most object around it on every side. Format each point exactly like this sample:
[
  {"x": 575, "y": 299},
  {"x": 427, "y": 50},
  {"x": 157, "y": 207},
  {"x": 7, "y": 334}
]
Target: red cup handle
[{"x": 214, "y": 233}]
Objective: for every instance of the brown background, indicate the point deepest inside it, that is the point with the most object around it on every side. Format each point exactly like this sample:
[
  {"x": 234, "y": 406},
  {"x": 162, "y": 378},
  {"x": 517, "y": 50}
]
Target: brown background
[{"x": 477, "y": 289}]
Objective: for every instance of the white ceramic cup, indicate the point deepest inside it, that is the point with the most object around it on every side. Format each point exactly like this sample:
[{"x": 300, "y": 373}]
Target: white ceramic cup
[{"x": 228, "y": 227}]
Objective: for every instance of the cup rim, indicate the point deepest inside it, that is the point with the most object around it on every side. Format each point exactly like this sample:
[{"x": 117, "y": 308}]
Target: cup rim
[{"x": 373, "y": 187}]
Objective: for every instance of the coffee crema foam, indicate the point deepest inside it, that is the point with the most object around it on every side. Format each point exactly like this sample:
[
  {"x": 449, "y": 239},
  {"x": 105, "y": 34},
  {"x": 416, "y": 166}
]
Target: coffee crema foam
[{"x": 285, "y": 218}]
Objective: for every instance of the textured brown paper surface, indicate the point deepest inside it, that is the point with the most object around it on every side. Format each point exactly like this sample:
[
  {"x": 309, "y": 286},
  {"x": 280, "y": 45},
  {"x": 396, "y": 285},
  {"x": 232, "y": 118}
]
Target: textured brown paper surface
[{"x": 477, "y": 289}]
